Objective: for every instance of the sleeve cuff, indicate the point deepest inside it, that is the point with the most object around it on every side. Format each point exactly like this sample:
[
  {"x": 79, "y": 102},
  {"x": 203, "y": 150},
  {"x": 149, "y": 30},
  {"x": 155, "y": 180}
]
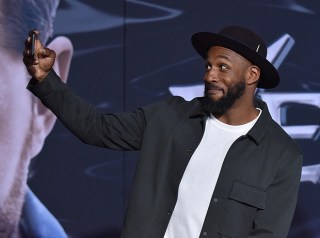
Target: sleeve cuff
[{"x": 46, "y": 86}]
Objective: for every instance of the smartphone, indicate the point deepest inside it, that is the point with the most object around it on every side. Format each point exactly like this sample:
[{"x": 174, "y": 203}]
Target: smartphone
[{"x": 33, "y": 41}]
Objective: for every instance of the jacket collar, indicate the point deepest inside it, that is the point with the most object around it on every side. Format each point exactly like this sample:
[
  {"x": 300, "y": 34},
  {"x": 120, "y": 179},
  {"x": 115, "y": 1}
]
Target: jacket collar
[
  {"x": 259, "y": 130},
  {"x": 196, "y": 109}
]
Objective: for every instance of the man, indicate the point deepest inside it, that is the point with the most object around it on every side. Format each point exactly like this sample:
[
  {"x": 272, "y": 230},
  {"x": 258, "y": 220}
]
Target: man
[
  {"x": 217, "y": 166},
  {"x": 24, "y": 123}
]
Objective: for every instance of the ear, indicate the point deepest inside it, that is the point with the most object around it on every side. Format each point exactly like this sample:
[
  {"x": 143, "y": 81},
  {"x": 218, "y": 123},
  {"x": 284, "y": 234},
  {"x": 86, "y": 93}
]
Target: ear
[
  {"x": 253, "y": 75},
  {"x": 43, "y": 118},
  {"x": 64, "y": 50}
]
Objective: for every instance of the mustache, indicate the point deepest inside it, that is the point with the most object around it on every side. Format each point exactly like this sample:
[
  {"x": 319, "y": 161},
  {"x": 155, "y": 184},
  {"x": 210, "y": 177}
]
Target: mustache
[{"x": 210, "y": 86}]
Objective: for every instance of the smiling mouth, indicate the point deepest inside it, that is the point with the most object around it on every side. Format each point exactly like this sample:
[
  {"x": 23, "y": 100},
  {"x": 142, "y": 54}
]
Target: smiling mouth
[{"x": 214, "y": 90}]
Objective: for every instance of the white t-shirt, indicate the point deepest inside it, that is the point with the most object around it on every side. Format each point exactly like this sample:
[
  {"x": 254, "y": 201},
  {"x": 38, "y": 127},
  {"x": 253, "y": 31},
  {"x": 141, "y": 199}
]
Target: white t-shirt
[{"x": 200, "y": 177}]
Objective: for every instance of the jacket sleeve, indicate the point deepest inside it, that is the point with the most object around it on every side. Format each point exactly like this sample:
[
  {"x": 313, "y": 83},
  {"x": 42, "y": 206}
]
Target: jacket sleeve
[
  {"x": 275, "y": 220},
  {"x": 121, "y": 131}
]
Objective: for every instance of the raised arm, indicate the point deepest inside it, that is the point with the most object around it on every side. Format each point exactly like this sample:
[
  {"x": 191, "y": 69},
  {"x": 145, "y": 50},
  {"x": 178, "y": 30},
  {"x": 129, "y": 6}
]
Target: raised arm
[{"x": 122, "y": 131}]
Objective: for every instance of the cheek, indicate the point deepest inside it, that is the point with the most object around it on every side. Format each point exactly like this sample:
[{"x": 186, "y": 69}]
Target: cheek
[
  {"x": 15, "y": 118},
  {"x": 15, "y": 137},
  {"x": 231, "y": 78},
  {"x": 205, "y": 77}
]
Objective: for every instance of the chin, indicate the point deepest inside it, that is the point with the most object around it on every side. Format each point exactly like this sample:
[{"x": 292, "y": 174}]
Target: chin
[{"x": 215, "y": 98}]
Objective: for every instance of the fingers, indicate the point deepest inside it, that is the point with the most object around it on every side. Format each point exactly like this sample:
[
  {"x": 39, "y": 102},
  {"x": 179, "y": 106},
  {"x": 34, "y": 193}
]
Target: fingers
[
  {"x": 29, "y": 63},
  {"x": 45, "y": 52},
  {"x": 28, "y": 41},
  {"x": 29, "y": 58},
  {"x": 37, "y": 58},
  {"x": 33, "y": 47},
  {"x": 48, "y": 53},
  {"x": 35, "y": 31}
]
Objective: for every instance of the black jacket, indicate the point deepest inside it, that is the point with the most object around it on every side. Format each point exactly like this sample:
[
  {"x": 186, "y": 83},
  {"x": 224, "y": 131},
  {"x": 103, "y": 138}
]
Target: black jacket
[{"x": 257, "y": 189}]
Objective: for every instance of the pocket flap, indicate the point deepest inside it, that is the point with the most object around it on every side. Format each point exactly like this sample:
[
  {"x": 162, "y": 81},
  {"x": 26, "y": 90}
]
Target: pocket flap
[{"x": 248, "y": 194}]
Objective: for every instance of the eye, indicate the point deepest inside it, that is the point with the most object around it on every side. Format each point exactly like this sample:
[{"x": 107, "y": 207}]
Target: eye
[
  {"x": 223, "y": 66},
  {"x": 207, "y": 66}
]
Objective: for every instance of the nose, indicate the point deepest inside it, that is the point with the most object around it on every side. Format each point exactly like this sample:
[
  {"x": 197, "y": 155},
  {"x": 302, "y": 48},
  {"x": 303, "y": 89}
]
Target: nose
[{"x": 211, "y": 75}]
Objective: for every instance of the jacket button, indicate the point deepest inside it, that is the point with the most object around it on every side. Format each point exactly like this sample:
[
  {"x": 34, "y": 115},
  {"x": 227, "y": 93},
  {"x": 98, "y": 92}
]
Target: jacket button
[
  {"x": 215, "y": 200},
  {"x": 204, "y": 233},
  {"x": 189, "y": 150}
]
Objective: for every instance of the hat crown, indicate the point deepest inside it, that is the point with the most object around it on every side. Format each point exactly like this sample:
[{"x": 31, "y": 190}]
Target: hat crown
[{"x": 246, "y": 37}]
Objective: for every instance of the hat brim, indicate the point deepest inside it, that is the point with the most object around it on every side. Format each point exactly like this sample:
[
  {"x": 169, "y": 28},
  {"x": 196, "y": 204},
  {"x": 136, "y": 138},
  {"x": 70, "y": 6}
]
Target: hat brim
[{"x": 203, "y": 41}]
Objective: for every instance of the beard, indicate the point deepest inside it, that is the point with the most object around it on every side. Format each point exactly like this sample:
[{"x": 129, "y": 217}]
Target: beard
[{"x": 220, "y": 106}]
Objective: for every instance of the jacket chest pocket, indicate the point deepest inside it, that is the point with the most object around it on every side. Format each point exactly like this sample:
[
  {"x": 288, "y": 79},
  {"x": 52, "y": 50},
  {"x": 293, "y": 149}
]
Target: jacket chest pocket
[{"x": 241, "y": 207}]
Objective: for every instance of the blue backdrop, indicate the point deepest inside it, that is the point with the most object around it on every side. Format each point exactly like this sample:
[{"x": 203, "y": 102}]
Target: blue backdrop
[{"x": 131, "y": 53}]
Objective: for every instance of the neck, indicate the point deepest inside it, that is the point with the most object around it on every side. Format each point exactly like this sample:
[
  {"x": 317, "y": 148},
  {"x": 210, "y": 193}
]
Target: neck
[{"x": 240, "y": 113}]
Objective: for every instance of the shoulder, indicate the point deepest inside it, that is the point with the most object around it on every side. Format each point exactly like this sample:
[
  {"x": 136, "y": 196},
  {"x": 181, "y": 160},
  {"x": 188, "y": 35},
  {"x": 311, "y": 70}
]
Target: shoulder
[
  {"x": 281, "y": 137},
  {"x": 270, "y": 133},
  {"x": 174, "y": 102},
  {"x": 172, "y": 107}
]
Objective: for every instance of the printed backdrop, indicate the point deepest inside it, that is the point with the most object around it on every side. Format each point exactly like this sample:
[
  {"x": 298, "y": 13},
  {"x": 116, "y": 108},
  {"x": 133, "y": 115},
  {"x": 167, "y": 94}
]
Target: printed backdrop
[{"x": 131, "y": 53}]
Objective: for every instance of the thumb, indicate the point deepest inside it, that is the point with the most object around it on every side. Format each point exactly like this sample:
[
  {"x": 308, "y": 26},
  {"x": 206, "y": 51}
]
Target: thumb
[{"x": 47, "y": 53}]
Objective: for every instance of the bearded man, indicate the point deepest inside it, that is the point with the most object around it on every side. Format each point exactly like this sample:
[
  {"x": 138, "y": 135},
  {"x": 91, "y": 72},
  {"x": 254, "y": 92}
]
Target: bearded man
[{"x": 217, "y": 166}]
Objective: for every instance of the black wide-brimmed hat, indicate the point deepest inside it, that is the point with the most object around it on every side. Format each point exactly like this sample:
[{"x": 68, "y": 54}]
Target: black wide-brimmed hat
[{"x": 244, "y": 42}]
